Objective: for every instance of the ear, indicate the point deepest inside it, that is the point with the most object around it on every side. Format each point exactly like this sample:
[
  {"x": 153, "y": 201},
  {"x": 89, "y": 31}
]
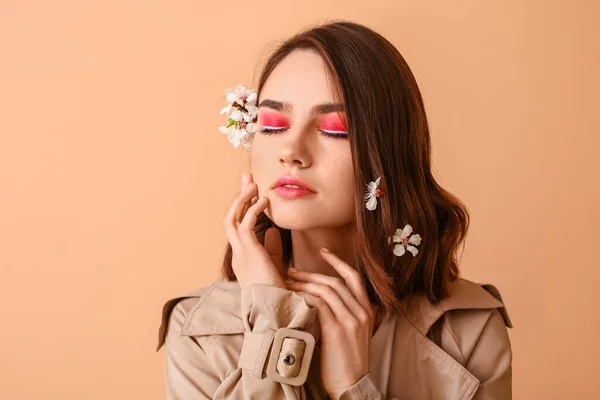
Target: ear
[{"x": 275, "y": 249}]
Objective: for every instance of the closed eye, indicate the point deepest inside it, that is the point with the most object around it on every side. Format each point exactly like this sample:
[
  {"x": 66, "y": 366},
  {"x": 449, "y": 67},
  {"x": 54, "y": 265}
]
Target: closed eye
[
  {"x": 268, "y": 131},
  {"x": 333, "y": 134}
]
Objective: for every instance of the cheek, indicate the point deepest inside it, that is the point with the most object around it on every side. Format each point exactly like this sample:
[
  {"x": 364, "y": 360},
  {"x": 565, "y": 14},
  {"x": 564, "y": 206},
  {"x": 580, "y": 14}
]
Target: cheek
[
  {"x": 261, "y": 166},
  {"x": 340, "y": 179},
  {"x": 340, "y": 195},
  {"x": 347, "y": 180}
]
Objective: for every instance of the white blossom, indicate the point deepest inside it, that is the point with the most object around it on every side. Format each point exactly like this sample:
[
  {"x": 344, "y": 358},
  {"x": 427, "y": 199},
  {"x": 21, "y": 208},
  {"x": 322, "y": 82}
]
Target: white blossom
[
  {"x": 403, "y": 242},
  {"x": 241, "y": 115},
  {"x": 234, "y": 135},
  {"x": 372, "y": 194}
]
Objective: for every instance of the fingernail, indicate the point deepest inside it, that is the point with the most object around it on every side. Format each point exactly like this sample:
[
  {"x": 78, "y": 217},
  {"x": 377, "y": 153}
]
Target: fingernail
[
  {"x": 292, "y": 269},
  {"x": 324, "y": 249}
]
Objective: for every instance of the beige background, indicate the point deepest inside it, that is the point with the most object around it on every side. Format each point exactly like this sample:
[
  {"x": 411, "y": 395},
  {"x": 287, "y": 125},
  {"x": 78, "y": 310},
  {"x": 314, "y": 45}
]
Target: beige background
[{"x": 114, "y": 179}]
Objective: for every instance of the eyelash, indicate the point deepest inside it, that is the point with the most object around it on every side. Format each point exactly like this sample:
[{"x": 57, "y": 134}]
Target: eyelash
[{"x": 270, "y": 131}]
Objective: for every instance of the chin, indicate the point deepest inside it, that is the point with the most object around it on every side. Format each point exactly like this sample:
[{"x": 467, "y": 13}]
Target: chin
[
  {"x": 293, "y": 215},
  {"x": 296, "y": 215},
  {"x": 291, "y": 221}
]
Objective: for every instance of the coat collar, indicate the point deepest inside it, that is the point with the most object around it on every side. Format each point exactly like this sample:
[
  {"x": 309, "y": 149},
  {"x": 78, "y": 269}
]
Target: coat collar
[
  {"x": 464, "y": 294},
  {"x": 218, "y": 308},
  {"x": 218, "y": 311}
]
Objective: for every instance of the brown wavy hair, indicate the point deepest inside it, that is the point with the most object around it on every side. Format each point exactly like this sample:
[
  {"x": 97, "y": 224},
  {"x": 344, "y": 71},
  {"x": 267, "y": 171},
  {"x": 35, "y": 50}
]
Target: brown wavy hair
[{"x": 389, "y": 138}]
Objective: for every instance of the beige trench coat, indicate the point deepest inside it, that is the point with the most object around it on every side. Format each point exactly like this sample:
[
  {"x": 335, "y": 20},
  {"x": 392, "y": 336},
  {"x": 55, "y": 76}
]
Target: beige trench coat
[{"x": 222, "y": 342}]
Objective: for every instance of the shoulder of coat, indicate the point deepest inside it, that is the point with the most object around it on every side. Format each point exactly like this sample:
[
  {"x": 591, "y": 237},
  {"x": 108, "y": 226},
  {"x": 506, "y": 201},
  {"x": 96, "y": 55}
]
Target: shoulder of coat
[
  {"x": 464, "y": 295},
  {"x": 205, "y": 309}
]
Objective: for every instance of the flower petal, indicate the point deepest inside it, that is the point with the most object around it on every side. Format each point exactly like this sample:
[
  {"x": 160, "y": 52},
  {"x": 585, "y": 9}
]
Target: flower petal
[
  {"x": 372, "y": 203},
  {"x": 232, "y": 97},
  {"x": 251, "y": 109},
  {"x": 406, "y": 231},
  {"x": 399, "y": 250},
  {"x": 251, "y": 127},
  {"x": 239, "y": 88},
  {"x": 251, "y": 99},
  {"x": 398, "y": 235},
  {"x": 236, "y": 136},
  {"x": 415, "y": 239},
  {"x": 369, "y": 192},
  {"x": 413, "y": 250},
  {"x": 236, "y": 115},
  {"x": 225, "y": 109}
]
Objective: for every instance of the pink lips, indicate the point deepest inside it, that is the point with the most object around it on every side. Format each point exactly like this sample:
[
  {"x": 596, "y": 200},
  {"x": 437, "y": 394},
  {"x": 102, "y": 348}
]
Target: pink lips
[{"x": 291, "y": 192}]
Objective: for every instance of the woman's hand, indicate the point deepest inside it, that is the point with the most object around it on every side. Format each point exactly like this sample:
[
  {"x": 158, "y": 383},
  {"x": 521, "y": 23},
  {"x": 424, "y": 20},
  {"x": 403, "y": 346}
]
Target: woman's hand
[
  {"x": 251, "y": 262},
  {"x": 346, "y": 318}
]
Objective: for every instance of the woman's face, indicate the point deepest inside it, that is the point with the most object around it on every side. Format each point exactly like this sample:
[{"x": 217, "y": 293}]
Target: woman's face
[{"x": 301, "y": 148}]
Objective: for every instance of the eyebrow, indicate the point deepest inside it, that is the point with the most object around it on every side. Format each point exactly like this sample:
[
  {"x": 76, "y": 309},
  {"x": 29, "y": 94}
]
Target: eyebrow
[{"x": 285, "y": 106}]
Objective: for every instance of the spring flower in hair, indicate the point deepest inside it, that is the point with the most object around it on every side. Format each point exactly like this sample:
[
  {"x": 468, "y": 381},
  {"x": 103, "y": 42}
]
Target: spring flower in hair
[
  {"x": 372, "y": 194},
  {"x": 403, "y": 242},
  {"x": 241, "y": 116}
]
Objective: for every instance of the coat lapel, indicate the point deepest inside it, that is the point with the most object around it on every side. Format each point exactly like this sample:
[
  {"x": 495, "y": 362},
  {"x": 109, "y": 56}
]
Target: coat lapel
[{"x": 437, "y": 367}]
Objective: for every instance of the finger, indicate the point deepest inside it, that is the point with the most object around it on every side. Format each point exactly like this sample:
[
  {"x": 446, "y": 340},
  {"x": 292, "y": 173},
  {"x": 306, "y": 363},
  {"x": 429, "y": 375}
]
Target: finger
[
  {"x": 246, "y": 227},
  {"x": 234, "y": 215},
  {"x": 250, "y": 180},
  {"x": 246, "y": 202},
  {"x": 231, "y": 220},
  {"x": 245, "y": 182},
  {"x": 351, "y": 277},
  {"x": 324, "y": 314},
  {"x": 338, "y": 284},
  {"x": 274, "y": 248},
  {"x": 329, "y": 295},
  {"x": 246, "y": 207}
]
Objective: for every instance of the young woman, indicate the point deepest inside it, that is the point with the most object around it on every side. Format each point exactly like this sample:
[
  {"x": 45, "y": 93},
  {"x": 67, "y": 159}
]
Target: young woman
[{"x": 340, "y": 188}]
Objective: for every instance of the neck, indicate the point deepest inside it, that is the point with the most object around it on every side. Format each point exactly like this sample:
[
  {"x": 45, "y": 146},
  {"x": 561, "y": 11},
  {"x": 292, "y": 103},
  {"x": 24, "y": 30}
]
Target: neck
[
  {"x": 340, "y": 241},
  {"x": 306, "y": 246}
]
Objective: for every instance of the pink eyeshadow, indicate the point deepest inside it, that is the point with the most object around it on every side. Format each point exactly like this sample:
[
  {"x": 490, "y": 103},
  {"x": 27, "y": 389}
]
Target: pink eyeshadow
[
  {"x": 333, "y": 124},
  {"x": 271, "y": 119}
]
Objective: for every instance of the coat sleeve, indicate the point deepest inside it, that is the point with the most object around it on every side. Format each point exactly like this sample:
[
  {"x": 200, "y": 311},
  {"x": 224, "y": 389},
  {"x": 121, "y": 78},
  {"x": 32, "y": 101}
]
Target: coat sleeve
[
  {"x": 265, "y": 309},
  {"x": 364, "y": 389},
  {"x": 491, "y": 360}
]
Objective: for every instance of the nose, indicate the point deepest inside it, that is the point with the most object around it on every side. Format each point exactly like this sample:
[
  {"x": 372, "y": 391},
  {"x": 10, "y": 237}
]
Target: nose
[{"x": 295, "y": 151}]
